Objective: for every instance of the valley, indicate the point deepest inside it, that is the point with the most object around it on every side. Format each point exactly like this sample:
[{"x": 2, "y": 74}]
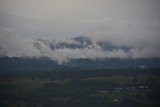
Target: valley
[{"x": 81, "y": 88}]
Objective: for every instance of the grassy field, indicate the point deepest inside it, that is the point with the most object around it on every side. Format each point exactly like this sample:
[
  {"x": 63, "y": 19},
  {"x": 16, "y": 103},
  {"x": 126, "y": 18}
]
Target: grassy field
[
  {"x": 81, "y": 89},
  {"x": 121, "y": 79}
]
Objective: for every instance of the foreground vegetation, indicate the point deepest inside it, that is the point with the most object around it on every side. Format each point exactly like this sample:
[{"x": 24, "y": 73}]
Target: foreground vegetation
[{"x": 81, "y": 88}]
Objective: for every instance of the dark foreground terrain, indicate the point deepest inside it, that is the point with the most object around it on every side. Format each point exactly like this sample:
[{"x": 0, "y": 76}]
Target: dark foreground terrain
[{"x": 72, "y": 87}]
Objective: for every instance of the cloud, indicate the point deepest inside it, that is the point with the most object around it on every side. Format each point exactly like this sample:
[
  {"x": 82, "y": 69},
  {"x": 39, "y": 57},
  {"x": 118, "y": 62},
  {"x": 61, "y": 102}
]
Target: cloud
[
  {"x": 65, "y": 54},
  {"x": 142, "y": 36},
  {"x": 18, "y": 46},
  {"x": 15, "y": 45},
  {"x": 146, "y": 52},
  {"x": 133, "y": 24}
]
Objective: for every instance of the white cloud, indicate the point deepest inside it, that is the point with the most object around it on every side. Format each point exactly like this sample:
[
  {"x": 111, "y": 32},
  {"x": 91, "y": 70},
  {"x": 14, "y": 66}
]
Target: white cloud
[
  {"x": 15, "y": 45},
  {"x": 128, "y": 23}
]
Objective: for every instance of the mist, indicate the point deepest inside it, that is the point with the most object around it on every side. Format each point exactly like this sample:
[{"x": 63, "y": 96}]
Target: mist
[{"x": 134, "y": 24}]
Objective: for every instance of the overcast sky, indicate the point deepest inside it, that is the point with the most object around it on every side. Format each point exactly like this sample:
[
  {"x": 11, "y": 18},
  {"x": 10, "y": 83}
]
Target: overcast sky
[
  {"x": 85, "y": 9},
  {"x": 79, "y": 17},
  {"x": 134, "y": 23}
]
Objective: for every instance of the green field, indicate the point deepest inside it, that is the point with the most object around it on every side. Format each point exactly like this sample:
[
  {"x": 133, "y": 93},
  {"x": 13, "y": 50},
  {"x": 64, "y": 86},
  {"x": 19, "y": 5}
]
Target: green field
[{"x": 93, "y": 88}]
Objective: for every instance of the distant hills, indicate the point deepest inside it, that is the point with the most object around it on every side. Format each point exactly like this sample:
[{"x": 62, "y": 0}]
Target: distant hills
[
  {"x": 71, "y": 48},
  {"x": 45, "y": 64},
  {"x": 80, "y": 42},
  {"x": 81, "y": 52}
]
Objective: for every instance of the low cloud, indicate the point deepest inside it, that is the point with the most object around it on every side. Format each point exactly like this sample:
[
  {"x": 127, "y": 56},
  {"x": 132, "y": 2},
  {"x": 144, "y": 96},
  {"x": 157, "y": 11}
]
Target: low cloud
[
  {"x": 15, "y": 45},
  {"x": 19, "y": 33}
]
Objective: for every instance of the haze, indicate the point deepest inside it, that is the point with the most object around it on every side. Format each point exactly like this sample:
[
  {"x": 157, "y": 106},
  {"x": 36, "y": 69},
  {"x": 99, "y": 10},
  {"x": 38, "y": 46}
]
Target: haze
[{"x": 133, "y": 23}]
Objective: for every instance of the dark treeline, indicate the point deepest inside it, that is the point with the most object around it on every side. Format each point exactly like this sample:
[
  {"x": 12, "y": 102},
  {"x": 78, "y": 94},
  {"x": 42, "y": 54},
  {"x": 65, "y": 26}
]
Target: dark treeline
[{"x": 75, "y": 72}]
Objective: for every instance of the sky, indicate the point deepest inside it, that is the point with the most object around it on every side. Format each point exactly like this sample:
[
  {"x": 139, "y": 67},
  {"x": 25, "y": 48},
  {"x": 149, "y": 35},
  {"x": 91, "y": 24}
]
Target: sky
[{"x": 134, "y": 23}]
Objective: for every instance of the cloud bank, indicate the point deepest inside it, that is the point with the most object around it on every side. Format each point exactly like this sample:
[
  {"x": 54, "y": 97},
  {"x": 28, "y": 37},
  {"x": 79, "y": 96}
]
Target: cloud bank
[
  {"x": 18, "y": 46},
  {"x": 134, "y": 24}
]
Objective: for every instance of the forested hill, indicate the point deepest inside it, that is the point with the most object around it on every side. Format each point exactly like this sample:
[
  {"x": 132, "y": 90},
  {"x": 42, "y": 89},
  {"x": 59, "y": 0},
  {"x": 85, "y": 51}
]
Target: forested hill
[{"x": 45, "y": 64}]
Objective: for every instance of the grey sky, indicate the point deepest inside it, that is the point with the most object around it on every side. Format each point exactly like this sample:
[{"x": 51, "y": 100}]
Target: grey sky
[
  {"x": 134, "y": 23},
  {"x": 67, "y": 17},
  {"x": 62, "y": 14},
  {"x": 85, "y": 9}
]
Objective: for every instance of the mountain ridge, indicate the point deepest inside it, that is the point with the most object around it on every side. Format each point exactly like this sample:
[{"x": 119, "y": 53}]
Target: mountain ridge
[{"x": 81, "y": 47}]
